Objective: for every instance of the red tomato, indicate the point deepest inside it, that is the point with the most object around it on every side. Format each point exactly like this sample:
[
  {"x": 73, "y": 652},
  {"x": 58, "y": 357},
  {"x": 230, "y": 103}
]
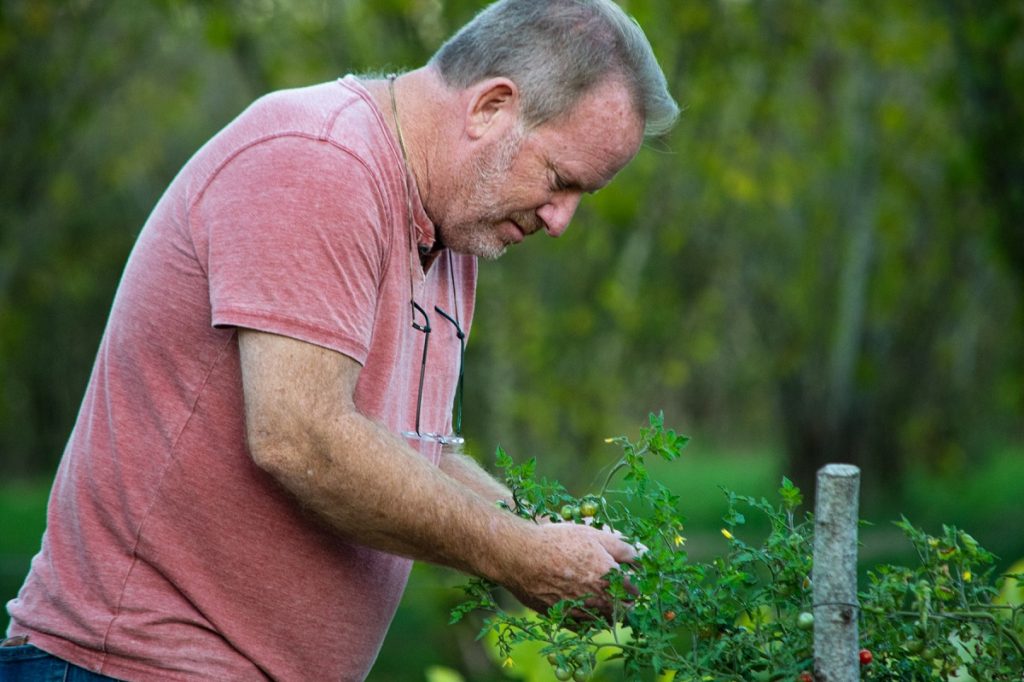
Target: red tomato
[{"x": 866, "y": 657}]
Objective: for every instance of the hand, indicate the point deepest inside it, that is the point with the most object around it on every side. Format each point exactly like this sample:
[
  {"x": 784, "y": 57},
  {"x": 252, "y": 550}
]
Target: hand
[{"x": 568, "y": 561}]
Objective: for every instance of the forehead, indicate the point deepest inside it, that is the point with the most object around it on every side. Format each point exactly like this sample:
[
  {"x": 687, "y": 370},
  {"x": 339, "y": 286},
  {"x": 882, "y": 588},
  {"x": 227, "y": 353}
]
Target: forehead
[{"x": 594, "y": 140}]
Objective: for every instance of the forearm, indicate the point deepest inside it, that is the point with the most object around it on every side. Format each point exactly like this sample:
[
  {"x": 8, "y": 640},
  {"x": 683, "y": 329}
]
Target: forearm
[
  {"x": 369, "y": 486},
  {"x": 468, "y": 472}
]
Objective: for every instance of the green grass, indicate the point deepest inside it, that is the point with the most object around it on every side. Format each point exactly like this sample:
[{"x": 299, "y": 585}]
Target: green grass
[
  {"x": 987, "y": 502},
  {"x": 23, "y": 514},
  {"x": 700, "y": 475},
  {"x": 989, "y": 494}
]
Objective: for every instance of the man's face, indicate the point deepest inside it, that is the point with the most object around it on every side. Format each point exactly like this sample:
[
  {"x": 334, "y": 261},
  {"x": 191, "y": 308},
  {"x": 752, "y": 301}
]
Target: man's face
[{"x": 528, "y": 181}]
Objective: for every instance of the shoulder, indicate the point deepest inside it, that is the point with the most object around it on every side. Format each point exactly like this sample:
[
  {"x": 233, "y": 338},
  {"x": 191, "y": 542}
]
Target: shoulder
[
  {"x": 314, "y": 110},
  {"x": 340, "y": 112},
  {"x": 331, "y": 129}
]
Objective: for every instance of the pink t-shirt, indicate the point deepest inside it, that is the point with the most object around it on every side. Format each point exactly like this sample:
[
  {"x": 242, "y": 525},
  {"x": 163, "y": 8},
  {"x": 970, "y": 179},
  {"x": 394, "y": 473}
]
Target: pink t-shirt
[{"x": 168, "y": 554}]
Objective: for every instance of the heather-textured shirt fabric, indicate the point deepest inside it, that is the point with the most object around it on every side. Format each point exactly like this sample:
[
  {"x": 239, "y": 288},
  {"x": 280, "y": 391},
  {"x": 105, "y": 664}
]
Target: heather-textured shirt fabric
[{"x": 168, "y": 554}]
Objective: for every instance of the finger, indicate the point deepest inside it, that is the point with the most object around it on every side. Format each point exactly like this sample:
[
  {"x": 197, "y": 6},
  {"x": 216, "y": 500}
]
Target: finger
[
  {"x": 640, "y": 547},
  {"x": 608, "y": 529},
  {"x": 628, "y": 584},
  {"x": 622, "y": 552}
]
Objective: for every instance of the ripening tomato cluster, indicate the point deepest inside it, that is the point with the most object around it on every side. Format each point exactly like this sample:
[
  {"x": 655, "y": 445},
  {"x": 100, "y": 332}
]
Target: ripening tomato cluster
[{"x": 577, "y": 668}]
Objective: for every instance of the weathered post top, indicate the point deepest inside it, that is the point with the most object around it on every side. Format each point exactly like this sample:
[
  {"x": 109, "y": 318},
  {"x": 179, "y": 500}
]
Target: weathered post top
[
  {"x": 840, "y": 471},
  {"x": 835, "y": 574}
]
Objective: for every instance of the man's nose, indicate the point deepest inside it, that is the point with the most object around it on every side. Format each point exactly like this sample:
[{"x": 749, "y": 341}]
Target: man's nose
[{"x": 557, "y": 213}]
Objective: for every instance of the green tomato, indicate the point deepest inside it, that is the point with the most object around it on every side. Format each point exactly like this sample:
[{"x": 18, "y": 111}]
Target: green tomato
[
  {"x": 569, "y": 512},
  {"x": 805, "y": 621},
  {"x": 563, "y": 674},
  {"x": 553, "y": 659},
  {"x": 914, "y": 646},
  {"x": 588, "y": 508},
  {"x": 581, "y": 674}
]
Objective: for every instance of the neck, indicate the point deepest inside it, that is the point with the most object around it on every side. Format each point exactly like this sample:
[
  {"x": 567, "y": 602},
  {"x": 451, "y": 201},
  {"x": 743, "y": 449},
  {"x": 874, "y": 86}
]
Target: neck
[
  {"x": 420, "y": 120},
  {"x": 395, "y": 97},
  {"x": 427, "y": 256}
]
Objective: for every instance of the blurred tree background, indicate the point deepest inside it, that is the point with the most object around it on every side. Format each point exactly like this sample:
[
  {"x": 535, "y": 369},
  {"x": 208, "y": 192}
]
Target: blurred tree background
[{"x": 823, "y": 262}]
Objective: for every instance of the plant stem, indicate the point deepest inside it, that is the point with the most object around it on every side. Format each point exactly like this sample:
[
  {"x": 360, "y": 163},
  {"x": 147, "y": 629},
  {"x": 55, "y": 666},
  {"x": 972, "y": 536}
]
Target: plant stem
[{"x": 611, "y": 474}]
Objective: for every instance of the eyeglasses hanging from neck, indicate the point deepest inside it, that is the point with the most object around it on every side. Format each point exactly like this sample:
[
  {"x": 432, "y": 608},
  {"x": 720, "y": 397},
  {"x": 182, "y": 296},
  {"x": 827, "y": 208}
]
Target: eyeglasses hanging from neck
[{"x": 421, "y": 323}]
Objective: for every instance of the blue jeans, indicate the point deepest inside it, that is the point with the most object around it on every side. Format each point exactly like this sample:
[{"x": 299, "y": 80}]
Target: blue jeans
[{"x": 27, "y": 663}]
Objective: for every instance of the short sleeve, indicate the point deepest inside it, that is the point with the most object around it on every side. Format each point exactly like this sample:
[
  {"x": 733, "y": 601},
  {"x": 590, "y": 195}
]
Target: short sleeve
[{"x": 294, "y": 234}]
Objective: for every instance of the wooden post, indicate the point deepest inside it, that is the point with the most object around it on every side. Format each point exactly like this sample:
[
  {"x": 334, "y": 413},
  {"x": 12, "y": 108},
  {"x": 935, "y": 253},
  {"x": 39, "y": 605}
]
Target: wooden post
[{"x": 835, "y": 574}]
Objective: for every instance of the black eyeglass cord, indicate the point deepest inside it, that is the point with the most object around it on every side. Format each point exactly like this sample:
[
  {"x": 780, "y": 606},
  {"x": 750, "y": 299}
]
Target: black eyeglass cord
[{"x": 425, "y": 328}]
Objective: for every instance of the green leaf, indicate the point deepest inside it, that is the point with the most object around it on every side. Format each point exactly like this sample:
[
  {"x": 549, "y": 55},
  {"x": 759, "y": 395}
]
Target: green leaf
[
  {"x": 502, "y": 458},
  {"x": 790, "y": 494}
]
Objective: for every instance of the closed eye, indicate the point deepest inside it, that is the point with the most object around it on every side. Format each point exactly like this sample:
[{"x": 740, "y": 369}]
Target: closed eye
[{"x": 559, "y": 183}]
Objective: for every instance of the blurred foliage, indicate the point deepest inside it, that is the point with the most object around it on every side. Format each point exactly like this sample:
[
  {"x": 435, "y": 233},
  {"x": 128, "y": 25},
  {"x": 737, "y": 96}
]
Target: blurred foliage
[{"x": 826, "y": 255}]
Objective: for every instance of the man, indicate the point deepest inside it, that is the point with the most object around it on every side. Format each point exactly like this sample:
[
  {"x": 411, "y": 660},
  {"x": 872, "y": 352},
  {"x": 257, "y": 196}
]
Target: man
[{"x": 238, "y": 500}]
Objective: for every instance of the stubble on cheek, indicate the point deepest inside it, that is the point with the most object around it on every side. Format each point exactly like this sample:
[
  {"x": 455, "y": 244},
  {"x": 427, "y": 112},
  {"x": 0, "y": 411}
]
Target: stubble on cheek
[{"x": 482, "y": 189}]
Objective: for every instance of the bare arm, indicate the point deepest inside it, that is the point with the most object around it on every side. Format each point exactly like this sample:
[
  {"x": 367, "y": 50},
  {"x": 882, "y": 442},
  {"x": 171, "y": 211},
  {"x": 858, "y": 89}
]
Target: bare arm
[
  {"x": 469, "y": 473},
  {"x": 304, "y": 430}
]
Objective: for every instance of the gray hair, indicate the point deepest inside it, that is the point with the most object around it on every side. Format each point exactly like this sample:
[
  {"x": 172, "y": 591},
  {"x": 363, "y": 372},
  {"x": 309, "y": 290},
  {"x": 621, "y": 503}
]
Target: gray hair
[{"x": 555, "y": 51}]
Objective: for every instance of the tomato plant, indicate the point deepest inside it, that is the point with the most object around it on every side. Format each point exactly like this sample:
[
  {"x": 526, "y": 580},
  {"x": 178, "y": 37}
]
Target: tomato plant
[{"x": 747, "y": 614}]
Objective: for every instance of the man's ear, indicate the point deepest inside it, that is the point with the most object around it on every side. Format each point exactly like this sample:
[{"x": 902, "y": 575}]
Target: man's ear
[{"x": 493, "y": 106}]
